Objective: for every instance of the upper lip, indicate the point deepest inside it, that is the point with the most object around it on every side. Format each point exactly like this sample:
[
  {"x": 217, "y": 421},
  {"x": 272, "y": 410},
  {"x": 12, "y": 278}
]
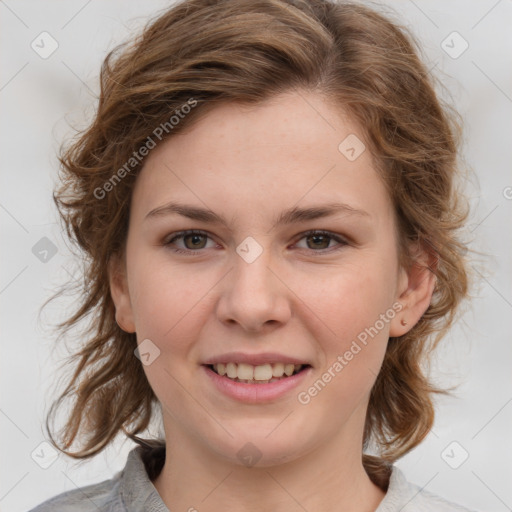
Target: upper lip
[{"x": 254, "y": 359}]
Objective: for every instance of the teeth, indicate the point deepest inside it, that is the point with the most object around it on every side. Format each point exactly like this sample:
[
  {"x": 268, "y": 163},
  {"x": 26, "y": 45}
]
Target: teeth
[
  {"x": 288, "y": 369},
  {"x": 263, "y": 372},
  {"x": 231, "y": 370},
  {"x": 245, "y": 371},
  {"x": 278, "y": 369}
]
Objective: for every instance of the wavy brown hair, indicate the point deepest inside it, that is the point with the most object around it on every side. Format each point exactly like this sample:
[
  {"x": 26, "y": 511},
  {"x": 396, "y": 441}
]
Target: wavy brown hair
[{"x": 215, "y": 51}]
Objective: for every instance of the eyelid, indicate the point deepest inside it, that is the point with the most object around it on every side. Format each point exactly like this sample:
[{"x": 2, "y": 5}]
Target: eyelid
[
  {"x": 334, "y": 236},
  {"x": 181, "y": 234}
]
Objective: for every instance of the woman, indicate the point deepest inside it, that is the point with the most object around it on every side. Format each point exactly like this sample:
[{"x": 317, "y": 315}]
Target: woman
[{"x": 267, "y": 202}]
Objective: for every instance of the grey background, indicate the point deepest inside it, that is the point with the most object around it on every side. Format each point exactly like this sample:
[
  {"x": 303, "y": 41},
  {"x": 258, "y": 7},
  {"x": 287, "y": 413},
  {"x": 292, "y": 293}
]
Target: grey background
[{"x": 40, "y": 98}]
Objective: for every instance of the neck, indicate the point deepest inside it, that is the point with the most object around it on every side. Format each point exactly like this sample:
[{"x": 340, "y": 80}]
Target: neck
[{"x": 329, "y": 478}]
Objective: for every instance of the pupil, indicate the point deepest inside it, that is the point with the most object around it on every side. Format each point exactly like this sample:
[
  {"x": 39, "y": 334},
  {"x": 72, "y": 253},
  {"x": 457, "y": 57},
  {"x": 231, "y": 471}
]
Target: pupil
[
  {"x": 195, "y": 237},
  {"x": 317, "y": 238}
]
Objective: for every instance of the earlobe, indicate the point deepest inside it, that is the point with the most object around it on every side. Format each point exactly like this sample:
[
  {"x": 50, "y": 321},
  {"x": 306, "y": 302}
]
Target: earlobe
[
  {"x": 415, "y": 290},
  {"x": 120, "y": 294}
]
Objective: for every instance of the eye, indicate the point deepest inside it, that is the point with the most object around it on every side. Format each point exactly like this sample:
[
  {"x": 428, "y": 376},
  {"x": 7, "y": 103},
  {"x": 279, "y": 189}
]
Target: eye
[
  {"x": 317, "y": 239},
  {"x": 192, "y": 239},
  {"x": 195, "y": 240}
]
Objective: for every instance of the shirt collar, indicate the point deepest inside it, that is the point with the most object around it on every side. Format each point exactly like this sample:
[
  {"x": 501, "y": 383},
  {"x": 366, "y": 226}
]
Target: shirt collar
[{"x": 136, "y": 489}]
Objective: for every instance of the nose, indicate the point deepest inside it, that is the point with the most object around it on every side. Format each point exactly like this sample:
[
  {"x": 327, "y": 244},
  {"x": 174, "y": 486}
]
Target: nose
[{"x": 253, "y": 296}]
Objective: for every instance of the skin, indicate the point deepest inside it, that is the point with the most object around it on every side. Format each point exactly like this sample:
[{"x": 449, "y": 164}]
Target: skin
[{"x": 301, "y": 297}]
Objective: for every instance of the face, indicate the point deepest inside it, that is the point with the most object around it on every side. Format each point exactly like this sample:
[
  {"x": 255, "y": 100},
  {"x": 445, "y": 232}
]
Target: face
[{"x": 253, "y": 276}]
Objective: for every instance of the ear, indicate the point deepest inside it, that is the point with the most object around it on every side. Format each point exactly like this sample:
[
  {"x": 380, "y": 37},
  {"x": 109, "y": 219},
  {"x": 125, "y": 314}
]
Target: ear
[
  {"x": 120, "y": 295},
  {"x": 415, "y": 288}
]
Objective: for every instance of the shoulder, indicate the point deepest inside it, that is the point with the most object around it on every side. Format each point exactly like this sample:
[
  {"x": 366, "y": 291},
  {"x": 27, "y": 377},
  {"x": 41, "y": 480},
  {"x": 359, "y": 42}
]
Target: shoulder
[
  {"x": 130, "y": 489},
  {"x": 103, "y": 496},
  {"x": 405, "y": 496}
]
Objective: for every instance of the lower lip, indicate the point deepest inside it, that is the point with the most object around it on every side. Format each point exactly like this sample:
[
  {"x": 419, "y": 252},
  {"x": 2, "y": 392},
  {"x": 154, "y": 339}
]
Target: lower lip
[{"x": 256, "y": 393}]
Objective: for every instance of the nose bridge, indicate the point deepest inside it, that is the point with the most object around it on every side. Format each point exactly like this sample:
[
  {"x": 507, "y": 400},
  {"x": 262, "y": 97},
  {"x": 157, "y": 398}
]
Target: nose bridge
[
  {"x": 253, "y": 276},
  {"x": 252, "y": 295}
]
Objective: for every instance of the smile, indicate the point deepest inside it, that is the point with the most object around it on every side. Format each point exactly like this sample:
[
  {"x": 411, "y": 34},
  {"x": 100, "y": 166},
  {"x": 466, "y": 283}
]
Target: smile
[
  {"x": 259, "y": 388},
  {"x": 260, "y": 374}
]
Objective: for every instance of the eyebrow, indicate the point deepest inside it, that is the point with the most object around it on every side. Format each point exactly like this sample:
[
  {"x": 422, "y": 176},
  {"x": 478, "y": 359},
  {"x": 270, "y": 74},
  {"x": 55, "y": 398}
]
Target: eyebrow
[{"x": 289, "y": 216}]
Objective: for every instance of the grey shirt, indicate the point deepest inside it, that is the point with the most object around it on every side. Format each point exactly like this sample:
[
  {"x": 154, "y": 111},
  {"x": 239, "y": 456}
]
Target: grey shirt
[{"x": 131, "y": 490}]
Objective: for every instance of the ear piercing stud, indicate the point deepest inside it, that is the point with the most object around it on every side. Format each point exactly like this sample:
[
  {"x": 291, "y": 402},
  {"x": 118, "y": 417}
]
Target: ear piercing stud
[{"x": 403, "y": 322}]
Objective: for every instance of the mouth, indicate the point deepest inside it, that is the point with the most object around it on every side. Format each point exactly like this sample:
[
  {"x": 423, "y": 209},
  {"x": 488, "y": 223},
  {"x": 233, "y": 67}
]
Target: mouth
[{"x": 260, "y": 374}]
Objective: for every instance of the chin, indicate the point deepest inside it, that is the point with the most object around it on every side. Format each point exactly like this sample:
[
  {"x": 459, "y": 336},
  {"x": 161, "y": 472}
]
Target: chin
[{"x": 260, "y": 451}]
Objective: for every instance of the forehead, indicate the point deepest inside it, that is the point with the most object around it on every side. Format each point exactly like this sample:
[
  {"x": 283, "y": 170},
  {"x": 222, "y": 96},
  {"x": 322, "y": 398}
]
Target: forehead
[{"x": 294, "y": 148}]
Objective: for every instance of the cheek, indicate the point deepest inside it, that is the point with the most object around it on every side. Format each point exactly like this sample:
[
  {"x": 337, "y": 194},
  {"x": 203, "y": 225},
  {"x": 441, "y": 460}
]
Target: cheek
[
  {"x": 351, "y": 297},
  {"x": 352, "y": 313},
  {"x": 352, "y": 339},
  {"x": 168, "y": 307},
  {"x": 166, "y": 299}
]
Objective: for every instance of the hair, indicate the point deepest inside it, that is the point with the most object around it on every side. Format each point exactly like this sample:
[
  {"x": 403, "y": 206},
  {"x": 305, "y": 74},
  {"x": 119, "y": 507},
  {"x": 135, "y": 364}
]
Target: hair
[{"x": 207, "y": 52}]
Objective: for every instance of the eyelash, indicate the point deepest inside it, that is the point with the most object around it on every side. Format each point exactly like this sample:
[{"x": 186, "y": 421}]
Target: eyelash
[{"x": 333, "y": 236}]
